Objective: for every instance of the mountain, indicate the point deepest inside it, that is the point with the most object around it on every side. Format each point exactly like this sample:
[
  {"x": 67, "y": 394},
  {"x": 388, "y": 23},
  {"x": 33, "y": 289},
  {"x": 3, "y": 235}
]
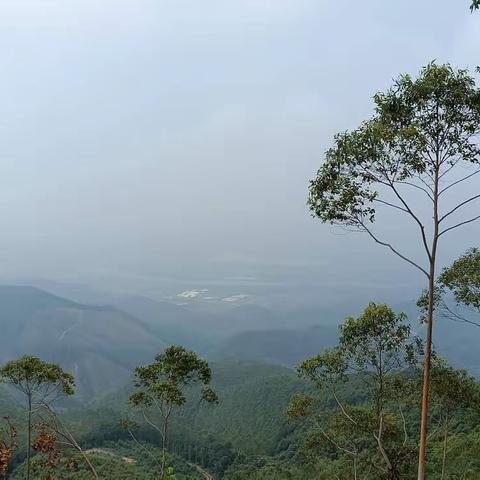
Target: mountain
[
  {"x": 281, "y": 347},
  {"x": 177, "y": 324},
  {"x": 100, "y": 345},
  {"x": 198, "y": 327}
]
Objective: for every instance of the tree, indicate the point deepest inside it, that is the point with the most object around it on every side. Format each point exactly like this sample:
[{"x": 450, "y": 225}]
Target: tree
[
  {"x": 40, "y": 382},
  {"x": 163, "y": 385},
  {"x": 421, "y": 141},
  {"x": 375, "y": 350},
  {"x": 475, "y": 5},
  {"x": 452, "y": 391}
]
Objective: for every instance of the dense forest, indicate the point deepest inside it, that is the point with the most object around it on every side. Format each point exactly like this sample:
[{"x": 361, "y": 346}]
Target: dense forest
[{"x": 351, "y": 411}]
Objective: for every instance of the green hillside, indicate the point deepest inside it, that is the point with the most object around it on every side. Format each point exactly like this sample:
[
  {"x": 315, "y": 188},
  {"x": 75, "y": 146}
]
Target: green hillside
[{"x": 100, "y": 345}]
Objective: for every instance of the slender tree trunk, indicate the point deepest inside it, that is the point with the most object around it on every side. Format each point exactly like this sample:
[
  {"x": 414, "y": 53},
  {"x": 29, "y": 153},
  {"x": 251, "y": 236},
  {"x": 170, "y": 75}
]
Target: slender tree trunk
[
  {"x": 29, "y": 435},
  {"x": 428, "y": 343},
  {"x": 89, "y": 464},
  {"x": 426, "y": 378},
  {"x": 445, "y": 441},
  {"x": 164, "y": 449}
]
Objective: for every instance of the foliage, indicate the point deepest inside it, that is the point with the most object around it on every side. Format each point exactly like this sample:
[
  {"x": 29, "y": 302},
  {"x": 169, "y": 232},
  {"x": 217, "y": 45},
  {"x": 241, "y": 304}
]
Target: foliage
[
  {"x": 422, "y": 138},
  {"x": 43, "y": 381},
  {"x": 246, "y": 438},
  {"x": 40, "y": 382},
  {"x": 395, "y": 146},
  {"x": 378, "y": 347},
  {"x": 456, "y": 397},
  {"x": 462, "y": 278},
  {"x": 161, "y": 387},
  {"x": 165, "y": 379},
  {"x": 115, "y": 460}
]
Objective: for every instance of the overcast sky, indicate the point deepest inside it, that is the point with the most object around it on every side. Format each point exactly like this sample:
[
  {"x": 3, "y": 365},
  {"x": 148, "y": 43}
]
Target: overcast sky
[{"x": 143, "y": 136}]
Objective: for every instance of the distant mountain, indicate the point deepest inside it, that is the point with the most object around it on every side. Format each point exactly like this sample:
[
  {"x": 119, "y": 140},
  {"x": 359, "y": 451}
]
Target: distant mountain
[
  {"x": 100, "y": 345},
  {"x": 281, "y": 347},
  {"x": 77, "y": 292},
  {"x": 199, "y": 328},
  {"x": 176, "y": 324}
]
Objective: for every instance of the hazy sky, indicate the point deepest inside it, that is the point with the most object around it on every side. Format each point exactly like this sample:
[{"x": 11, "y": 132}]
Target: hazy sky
[{"x": 142, "y": 136}]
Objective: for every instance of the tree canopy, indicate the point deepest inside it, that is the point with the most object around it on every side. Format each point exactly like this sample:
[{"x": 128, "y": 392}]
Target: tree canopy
[
  {"x": 161, "y": 387},
  {"x": 462, "y": 278},
  {"x": 43, "y": 381},
  {"x": 376, "y": 350},
  {"x": 422, "y": 128}
]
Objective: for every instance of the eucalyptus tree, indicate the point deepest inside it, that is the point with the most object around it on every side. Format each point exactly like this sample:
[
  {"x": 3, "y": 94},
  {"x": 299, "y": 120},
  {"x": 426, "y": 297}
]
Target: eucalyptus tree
[
  {"x": 163, "y": 386},
  {"x": 41, "y": 383},
  {"x": 421, "y": 141},
  {"x": 376, "y": 352}
]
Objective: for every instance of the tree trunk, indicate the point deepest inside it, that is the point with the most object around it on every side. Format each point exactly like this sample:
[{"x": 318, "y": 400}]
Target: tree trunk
[
  {"x": 428, "y": 343},
  {"x": 445, "y": 440},
  {"x": 164, "y": 448},
  {"x": 29, "y": 435},
  {"x": 89, "y": 464},
  {"x": 426, "y": 379}
]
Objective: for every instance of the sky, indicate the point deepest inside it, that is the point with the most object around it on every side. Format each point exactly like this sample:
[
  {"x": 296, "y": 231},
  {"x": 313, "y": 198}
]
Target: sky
[{"x": 153, "y": 137}]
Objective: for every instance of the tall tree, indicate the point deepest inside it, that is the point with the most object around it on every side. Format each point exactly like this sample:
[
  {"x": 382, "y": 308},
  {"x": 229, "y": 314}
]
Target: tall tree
[
  {"x": 41, "y": 383},
  {"x": 162, "y": 386},
  {"x": 421, "y": 141},
  {"x": 375, "y": 350}
]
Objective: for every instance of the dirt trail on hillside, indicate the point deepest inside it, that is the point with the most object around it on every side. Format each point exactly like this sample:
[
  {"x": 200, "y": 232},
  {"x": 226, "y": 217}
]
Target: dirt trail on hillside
[
  {"x": 111, "y": 454},
  {"x": 201, "y": 471}
]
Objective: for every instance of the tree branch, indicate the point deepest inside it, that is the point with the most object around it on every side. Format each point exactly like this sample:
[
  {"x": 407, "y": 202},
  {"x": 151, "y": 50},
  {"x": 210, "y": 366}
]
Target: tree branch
[
  {"x": 419, "y": 188},
  {"x": 342, "y": 408},
  {"x": 391, "y": 205},
  {"x": 396, "y": 252},
  {"x": 143, "y": 447},
  {"x": 405, "y": 434},
  {"x": 458, "y": 181},
  {"x": 325, "y": 434},
  {"x": 151, "y": 423},
  {"x": 460, "y": 205},
  {"x": 459, "y": 225},
  {"x": 378, "y": 438},
  {"x": 414, "y": 216}
]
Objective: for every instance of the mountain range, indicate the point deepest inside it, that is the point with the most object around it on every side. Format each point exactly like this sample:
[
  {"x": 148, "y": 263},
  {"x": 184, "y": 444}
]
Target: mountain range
[{"x": 101, "y": 345}]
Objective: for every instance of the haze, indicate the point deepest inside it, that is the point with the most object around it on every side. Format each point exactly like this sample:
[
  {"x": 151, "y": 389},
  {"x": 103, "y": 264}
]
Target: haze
[{"x": 145, "y": 138}]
